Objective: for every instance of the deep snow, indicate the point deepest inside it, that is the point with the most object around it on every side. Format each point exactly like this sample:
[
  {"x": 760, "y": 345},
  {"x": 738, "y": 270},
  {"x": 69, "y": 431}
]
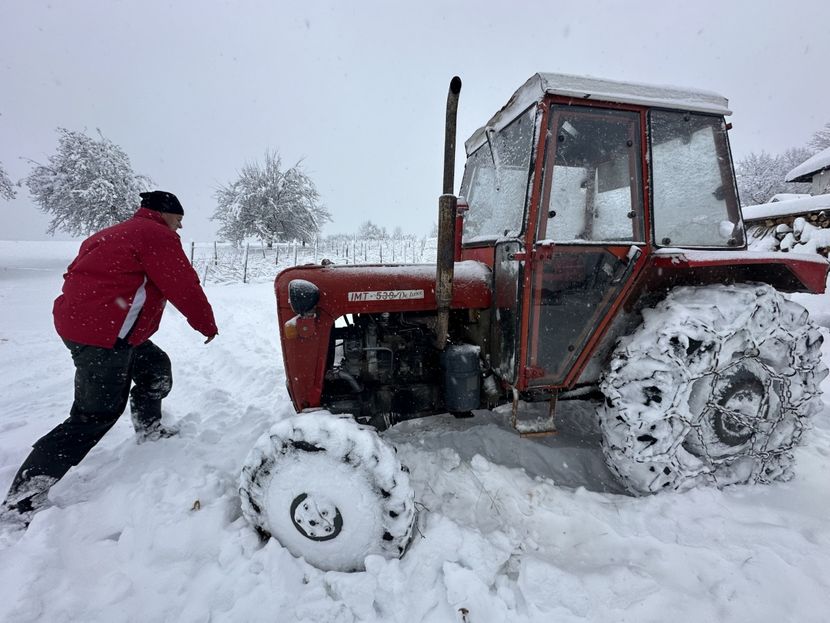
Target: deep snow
[{"x": 508, "y": 530}]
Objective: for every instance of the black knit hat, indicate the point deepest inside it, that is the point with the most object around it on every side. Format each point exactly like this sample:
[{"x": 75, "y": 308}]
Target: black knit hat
[{"x": 161, "y": 201}]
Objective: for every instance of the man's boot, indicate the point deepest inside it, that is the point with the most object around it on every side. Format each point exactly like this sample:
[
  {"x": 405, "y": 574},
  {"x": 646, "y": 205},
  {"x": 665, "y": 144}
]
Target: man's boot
[
  {"x": 27, "y": 496},
  {"x": 146, "y": 416}
]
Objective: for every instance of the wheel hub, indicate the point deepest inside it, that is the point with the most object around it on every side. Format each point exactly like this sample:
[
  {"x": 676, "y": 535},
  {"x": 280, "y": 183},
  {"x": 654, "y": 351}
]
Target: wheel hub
[
  {"x": 731, "y": 419},
  {"x": 731, "y": 408},
  {"x": 740, "y": 407},
  {"x": 316, "y": 517}
]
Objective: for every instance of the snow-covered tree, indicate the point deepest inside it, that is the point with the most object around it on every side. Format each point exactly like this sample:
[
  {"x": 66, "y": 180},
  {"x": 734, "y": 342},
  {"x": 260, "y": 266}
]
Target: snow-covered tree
[
  {"x": 760, "y": 176},
  {"x": 820, "y": 139},
  {"x": 88, "y": 184},
  {"x": 369, "y": 231},
  {"x": 6, "y": 187},
  {"x": 269, "y": 203}
]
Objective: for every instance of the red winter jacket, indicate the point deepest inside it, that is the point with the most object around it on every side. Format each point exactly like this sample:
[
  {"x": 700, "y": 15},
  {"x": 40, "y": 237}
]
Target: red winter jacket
[{"x": 101, "y": 283}]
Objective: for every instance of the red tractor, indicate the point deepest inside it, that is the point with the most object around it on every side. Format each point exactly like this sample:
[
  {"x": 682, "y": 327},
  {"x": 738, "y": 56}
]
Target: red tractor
[{"x": 598, "y": 253}]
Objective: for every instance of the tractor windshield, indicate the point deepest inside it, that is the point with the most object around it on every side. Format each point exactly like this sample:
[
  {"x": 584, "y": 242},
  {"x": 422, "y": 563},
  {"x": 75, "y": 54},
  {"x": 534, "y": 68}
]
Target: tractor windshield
[
  {"x": 495, "y": 181},
  {"x": 693, "y": 195}
]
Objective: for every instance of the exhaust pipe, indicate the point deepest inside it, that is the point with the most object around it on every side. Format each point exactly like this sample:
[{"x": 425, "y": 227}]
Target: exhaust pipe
[{"x": 447, "y": 203}]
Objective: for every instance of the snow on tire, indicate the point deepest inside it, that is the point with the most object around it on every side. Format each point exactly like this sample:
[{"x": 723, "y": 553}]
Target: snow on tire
[
  {"x": 715, "y": 387},
  {"x": 329, "y": 490}
]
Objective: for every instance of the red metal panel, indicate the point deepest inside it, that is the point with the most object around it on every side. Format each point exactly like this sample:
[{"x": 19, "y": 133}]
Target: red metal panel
[
  {"x": 485, "y": 255},
  {"x": 471, "y": 286},
  {"x": 788, "y": 273}
]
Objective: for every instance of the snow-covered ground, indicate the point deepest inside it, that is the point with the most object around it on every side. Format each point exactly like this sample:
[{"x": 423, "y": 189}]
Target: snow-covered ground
[{"x": 508, "y": 530}]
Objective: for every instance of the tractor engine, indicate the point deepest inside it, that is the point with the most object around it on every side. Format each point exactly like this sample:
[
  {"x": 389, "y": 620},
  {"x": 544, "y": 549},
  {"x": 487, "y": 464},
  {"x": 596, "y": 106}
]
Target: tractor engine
[{"x": 383, "y": 368}]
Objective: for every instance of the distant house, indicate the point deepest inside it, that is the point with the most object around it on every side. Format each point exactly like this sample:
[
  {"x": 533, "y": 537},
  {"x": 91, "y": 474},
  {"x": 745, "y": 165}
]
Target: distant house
[{"x": 816, "y": 170}]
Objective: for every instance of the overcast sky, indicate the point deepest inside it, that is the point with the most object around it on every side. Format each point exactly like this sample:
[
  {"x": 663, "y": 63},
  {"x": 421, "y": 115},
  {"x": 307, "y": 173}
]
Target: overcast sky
[{"x": 193, "y": 90}]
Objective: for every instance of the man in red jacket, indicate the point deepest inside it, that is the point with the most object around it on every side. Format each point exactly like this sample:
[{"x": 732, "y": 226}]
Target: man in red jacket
[{"x": 113, "y": 297}]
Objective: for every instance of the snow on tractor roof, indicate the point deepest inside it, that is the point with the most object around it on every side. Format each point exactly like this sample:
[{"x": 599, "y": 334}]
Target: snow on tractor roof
[{"x": 587, "y": 88}]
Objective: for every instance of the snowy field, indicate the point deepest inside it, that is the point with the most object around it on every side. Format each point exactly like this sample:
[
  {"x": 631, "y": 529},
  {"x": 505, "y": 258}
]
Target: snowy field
[{"x": 508, "y": 530}]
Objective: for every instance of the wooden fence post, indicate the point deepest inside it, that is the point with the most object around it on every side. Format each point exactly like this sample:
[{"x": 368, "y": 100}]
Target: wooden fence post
[
  {"x": 245, "y": 266},
  {"x": 192, "y": 249}
]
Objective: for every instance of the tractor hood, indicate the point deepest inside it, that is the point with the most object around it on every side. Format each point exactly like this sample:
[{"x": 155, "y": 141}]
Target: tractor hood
[
  {"x": 357, "y": 290},
  {"x": 385, "y": 288}
]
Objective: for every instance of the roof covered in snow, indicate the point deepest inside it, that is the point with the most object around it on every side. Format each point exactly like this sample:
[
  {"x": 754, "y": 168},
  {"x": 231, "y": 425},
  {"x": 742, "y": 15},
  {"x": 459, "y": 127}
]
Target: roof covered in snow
[
  {"x": 786, "y": 208},
  {"x": 584, "y": 88},
  {"x": 805, "y": 171}
]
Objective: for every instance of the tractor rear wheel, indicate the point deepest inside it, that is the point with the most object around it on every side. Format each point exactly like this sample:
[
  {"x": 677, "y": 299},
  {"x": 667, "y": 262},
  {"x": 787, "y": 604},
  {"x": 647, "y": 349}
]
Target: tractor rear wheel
[
  {"x": 329, "y": 490},
  {"x": 715, "y": 387}
]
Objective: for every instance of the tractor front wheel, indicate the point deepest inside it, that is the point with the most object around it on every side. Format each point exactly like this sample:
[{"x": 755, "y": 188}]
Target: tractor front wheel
[
  {"x": 715, "y": 387},
  {"x": 329, "y": 490}
]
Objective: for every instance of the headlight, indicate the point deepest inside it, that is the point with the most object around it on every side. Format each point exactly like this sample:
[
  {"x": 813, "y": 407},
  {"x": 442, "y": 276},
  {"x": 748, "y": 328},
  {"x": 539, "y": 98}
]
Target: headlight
[{"x": 303, "y": 296}]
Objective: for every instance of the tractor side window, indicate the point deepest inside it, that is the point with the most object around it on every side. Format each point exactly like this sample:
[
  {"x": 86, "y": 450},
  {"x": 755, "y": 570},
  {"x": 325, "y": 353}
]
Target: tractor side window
[
  {"x": 593, "y": 190},
  {"x": 496, "y": 179},
  {"x": 694, "y": 198}
]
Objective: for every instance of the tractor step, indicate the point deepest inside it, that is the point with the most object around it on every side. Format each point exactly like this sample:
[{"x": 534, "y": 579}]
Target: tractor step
[{"x": 534, "y": 419}]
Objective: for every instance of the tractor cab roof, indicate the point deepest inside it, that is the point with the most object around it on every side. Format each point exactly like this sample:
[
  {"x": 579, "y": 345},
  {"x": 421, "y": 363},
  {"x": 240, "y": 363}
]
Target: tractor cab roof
[{"x": 586, "y": 88}]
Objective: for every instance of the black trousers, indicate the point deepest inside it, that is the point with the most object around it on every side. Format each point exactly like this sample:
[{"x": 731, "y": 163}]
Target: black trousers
[{"x": 103, "y": 377}]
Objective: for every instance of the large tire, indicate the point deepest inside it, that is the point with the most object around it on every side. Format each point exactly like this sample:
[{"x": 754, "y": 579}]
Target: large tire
[
  {"x": 329, "y": 490},
  {"x": 715, "y": 387}
]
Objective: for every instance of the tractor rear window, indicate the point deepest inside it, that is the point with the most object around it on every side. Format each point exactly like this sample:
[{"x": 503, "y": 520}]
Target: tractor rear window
[
  {"x": 495, "y": 182},
  {"x": 694, "y": 199}
]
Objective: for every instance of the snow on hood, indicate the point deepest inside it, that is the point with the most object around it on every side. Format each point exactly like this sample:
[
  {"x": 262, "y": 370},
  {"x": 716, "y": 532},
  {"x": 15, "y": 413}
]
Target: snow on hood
[{"x": 805, "y": 171}]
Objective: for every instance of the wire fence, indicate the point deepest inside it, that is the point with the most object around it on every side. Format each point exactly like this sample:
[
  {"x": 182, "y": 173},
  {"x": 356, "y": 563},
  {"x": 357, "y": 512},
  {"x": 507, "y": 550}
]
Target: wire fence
[{"x": 222, "y": 262}]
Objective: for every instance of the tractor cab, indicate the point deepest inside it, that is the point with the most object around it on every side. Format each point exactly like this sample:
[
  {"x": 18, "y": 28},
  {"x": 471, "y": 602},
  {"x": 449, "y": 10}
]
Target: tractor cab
[
  {"x": 570, "y": 189},
  {"x": 598, "y": 151}
]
